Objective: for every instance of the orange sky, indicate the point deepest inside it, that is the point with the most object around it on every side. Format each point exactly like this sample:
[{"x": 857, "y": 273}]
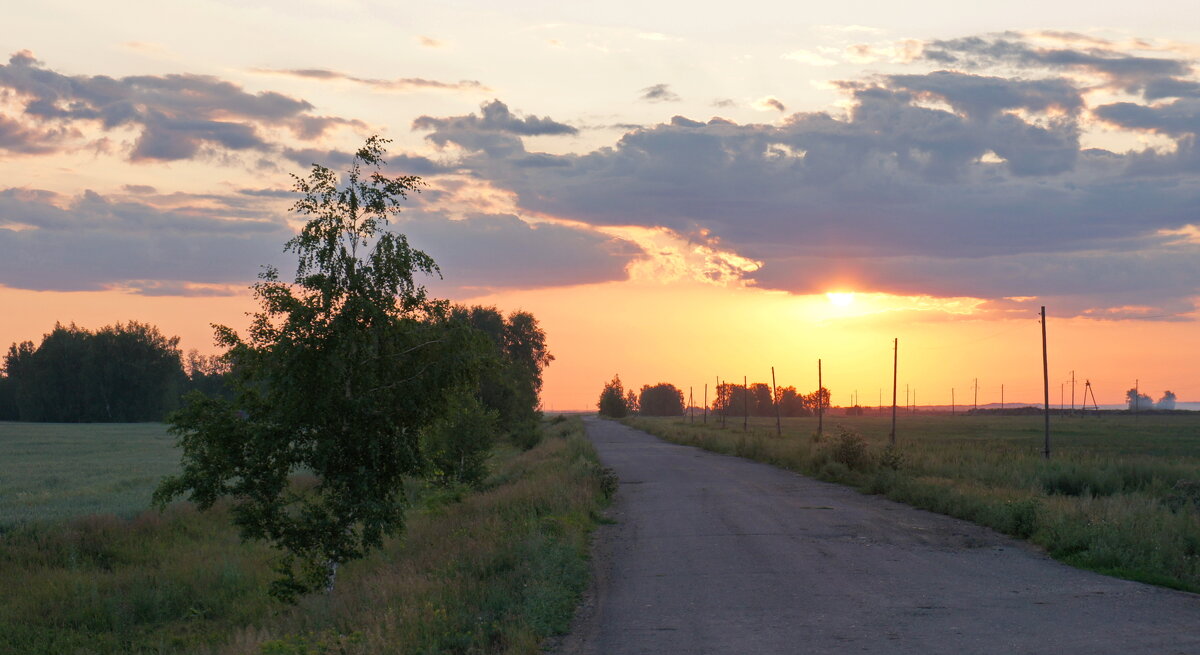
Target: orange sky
[{"x": 687, "y": 333}]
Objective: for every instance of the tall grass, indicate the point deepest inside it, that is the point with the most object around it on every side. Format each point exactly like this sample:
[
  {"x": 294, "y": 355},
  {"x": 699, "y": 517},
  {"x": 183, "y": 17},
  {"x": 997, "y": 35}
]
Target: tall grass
[
  {"x": 1121, "y": 495},
  {"x": 493, "y": 571}
]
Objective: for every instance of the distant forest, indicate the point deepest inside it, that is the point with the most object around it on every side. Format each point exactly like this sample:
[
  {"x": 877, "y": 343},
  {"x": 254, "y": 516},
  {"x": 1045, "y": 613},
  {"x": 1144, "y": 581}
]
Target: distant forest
[{"x": 128, "y": 372}]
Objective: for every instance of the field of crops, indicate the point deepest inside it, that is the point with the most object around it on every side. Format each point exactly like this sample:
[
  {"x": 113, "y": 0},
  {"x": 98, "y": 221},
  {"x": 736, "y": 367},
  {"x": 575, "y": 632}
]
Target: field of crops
[
  {"x": 51, "y": 471},
  {"x": 1120, "y": 494}
]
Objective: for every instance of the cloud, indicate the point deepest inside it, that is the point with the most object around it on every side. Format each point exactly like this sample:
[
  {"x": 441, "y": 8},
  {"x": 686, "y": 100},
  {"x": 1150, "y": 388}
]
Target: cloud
[
  {"x": 28, "y": 140},
  {"x": 1121, "y": 69},
  {"x": 176, "y": 115},
  {"x": 659, "y": 93},
  {"x": 501, "y": 251},
  {"x": 769, "y": 103},
  {"x": 944, "y": 183},
  {"x": 91, "y": 242},
  {"x": 428, "y": 42},
  {"x": 395, "y": 84}
]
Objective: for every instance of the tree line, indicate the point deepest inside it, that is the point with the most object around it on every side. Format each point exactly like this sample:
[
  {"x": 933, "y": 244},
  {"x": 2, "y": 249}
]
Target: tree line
[
  {"x": 665, "y": 399},
  {"x": 125, "y": 372}
]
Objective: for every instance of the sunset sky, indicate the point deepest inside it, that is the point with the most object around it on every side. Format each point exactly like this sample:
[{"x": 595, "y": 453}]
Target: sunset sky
[{"x": 677, "y": 193}]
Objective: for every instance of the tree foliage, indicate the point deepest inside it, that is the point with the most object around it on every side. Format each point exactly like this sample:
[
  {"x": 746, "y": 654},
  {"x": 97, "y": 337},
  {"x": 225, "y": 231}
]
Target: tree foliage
[
  {"x": 662, "y": 399},
  {"x": 613, "y": 400},
  {"x": 120, "y": 373},
  {"x": 456, "y": 445},
  {"x": 511, "y": 386},
  {"x": 338, "y": 376}
]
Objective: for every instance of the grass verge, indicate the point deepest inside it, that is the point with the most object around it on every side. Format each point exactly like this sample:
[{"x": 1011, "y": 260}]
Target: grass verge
[
  {"x": 1123, "y": 504},
  {"x": 492, "y": 571}
]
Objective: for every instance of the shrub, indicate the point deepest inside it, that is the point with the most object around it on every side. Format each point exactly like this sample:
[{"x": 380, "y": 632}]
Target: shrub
[
  {"x": 850, "y": 449},
  {"x": 456, "y": 446}
]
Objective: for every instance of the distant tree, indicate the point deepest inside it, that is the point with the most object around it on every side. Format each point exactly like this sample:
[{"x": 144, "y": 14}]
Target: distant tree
[
  {"x": 338, "y": 377},
  {"x": 817, "y": 399},
  {"x": 122, "y": 372},
  {"x": 8, "y": 399},
  {"x": 631, "y": 402},
  {"x": 760, "y": 400},
  {"x": 662, "y": 399},
  {"x": 207, "y": 374},
  {"x": 612, "y": 399},
  {"x": 790, "y": 403},
  {"x": 731, "y": 399},
  {"x": 1166, "y": 402},
  {"x": 1138, "y": 402}
]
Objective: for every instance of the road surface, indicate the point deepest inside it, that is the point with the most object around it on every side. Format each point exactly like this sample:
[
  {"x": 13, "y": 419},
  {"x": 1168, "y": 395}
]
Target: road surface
[{"x": 715, "y": 554}]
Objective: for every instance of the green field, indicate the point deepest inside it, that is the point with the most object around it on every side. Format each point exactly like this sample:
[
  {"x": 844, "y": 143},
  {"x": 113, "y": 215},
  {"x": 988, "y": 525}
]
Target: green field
[
  {"x": 52, "y": 471},
  {"x": 1120, "y": 494},
  {"x": 488, "y": 571}
]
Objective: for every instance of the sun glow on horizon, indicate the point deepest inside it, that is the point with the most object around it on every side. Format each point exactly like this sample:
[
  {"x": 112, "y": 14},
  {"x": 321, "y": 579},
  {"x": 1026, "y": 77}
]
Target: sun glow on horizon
[{"x": 841, "y": 298}]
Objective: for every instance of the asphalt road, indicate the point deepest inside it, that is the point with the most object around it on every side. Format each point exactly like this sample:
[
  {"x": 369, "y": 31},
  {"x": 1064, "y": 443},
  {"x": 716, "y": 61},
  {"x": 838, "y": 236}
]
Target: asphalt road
[{"x": 716, "y": 554}]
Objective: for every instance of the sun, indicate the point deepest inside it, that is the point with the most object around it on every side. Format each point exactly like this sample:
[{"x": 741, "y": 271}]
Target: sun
[{"x": 840, "y": 299}]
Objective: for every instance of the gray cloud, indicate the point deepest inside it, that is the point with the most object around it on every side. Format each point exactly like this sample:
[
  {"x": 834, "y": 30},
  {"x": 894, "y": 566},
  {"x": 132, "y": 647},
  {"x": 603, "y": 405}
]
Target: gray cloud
[
  {"x": 497, "y": 251},
  {"x": 91, "y": 242},
  {"x": 903, "y": 196},
  {"x": 1122, "y": 69},
  {"x": 659, "y": 93},
  {"x": 177, "y": 114},
  {"x": 214, "y": 243},
  {"x": 395, "y": 84}
]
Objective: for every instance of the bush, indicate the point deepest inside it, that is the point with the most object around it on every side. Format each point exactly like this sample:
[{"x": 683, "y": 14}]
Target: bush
[
  {"x": 456, "y": 446},
  {"x": 850, "y": 450}
]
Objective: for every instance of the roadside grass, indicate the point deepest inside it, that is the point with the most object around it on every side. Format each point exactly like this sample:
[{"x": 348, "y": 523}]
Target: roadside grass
[
  {"x": 52, "y": 471},
  {"x": 1121, "y": 495},
  {"x": 488, "y": 571}
]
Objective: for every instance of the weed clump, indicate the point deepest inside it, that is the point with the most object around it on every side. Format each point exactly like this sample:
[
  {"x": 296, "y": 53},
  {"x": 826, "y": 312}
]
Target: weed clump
[{"x": 850, "y": 450}]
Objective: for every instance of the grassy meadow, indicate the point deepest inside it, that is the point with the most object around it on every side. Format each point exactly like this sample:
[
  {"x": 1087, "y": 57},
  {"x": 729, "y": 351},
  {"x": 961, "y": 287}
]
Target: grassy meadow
[
  {"x": 1120, "y": 495},
  {"x": 488, "y": 571},
  {"x": 52, "y": 471}
]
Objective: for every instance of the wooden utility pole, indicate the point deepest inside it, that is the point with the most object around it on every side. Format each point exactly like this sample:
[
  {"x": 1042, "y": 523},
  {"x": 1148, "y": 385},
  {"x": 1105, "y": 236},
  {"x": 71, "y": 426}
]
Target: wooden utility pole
[
  {"x": 775, "y": 402},
  {"x": 820, "y": 402},
  {"x": 1045, "y": 384},
  {"x": 976, "y": 394},
  {"x": 1072, "y": 392},
  {"x": 951, "y": 401},
  {"x": 745, "y": 404},
  {"x": 725, "y": 406},
  {"x": 907, "y": 399},
  {"x": 706, "y": 403},
  {"x": 691, "y": 406},
  {"x": 895, "y": 367}
]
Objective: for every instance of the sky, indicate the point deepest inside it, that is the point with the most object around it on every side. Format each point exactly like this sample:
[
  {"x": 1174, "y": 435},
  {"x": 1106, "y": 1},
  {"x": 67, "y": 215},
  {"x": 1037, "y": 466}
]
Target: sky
[{"x": 677, "y": 194}]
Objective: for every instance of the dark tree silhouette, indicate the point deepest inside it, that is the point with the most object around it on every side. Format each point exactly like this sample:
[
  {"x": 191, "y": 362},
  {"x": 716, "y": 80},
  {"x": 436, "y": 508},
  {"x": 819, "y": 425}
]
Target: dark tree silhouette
[
  {"x": 613, "y": 402},
  {"x": 662, "y": 399}
]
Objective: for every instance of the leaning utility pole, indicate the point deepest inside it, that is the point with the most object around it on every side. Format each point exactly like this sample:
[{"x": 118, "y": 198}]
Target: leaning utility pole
[
  {"x": 775, "y": 402},
  {"x": 1046, "y": 384},
  {"x": 895, "y": 367},
  {"x": 820, "y": 402}
]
